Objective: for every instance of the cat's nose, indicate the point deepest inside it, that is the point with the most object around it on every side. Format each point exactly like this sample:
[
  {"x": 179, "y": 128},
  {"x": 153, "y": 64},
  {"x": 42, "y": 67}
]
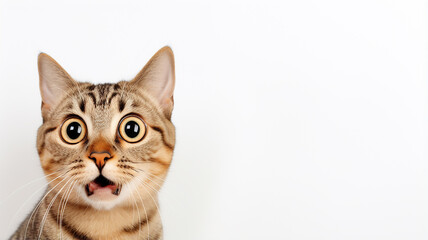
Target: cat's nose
[{"x": 100, "y": 158}]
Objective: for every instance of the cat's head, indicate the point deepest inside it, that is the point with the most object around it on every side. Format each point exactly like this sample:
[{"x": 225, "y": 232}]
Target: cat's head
[{"x": 105, "y": 145}]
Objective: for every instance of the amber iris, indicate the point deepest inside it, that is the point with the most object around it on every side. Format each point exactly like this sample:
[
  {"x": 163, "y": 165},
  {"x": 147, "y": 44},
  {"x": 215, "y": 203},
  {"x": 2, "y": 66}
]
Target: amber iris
[
  {"x": 132, "y": 129},
  {"x": 73, "y": 130}
]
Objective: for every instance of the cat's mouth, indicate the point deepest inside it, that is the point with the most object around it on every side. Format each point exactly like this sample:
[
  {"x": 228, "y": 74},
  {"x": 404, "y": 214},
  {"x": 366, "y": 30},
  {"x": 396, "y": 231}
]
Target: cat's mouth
[{"x": 102, "y": 185}]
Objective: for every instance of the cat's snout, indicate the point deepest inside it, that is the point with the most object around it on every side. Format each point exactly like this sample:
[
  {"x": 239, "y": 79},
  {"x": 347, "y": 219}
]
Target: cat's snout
[
  {"x": 100, "y": 151},
  {"x": 100, "y": 158}
]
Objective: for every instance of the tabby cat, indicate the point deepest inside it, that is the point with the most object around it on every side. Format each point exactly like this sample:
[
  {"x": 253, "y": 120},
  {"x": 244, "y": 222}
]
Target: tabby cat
[{"x": 105, "y": 150}]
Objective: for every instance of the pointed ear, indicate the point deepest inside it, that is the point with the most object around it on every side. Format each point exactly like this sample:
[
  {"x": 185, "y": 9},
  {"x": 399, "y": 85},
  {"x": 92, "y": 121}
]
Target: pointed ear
[
  {"x": 158, "y": 79},
  {"x": 54, "y": 82}
]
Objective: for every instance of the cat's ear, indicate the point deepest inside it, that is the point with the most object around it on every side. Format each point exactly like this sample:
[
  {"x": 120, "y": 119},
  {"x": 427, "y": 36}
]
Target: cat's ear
[
  {"x": 54, "y": 81},
  {"x": 157, "y": 78}
]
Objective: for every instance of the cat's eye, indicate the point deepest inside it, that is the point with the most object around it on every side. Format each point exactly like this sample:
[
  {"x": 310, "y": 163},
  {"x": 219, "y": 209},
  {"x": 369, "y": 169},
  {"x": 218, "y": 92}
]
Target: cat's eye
[
  {"x": 132, "y": 128},
  {"x": 73, "y": 130}
]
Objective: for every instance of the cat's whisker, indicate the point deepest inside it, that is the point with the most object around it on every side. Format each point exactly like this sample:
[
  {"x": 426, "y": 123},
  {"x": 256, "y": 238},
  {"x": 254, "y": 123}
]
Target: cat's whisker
[
  {"x": 133, "y": 211},
  {"x": 61, "y": 202},
  {"x": 147, "y": 217},
  {"x": 154, "y": 201},
  {"x": 32, "y": 195},
  {"x": 38, "y": 204},
  {"x": 139, "y": 215},
  {"x": 151, "y": 180},
  {"x": 153, "y": 175},
  {"x": 49, "y": 207},
  {"x": 63, "y": 210},
  {"x": 25, "y": 185},
  {"x": 148, "y": 177},
  {"x": 154, "y": 189}
]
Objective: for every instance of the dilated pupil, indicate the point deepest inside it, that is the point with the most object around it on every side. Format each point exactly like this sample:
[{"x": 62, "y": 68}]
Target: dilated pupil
[
  {"x": 132, "y": 129},
  {"x": 74, "y": 130}
]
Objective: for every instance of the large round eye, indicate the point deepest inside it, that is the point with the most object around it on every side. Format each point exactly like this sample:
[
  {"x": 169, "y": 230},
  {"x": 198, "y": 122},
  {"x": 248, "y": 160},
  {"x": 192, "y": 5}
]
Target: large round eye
[
  {"x": 73, "y": 130},
  {"x": 132, "y": 128}
]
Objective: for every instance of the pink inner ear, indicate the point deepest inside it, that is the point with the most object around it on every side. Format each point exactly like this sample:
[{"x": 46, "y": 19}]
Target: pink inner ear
[
  {"x": 167, "y": 89},
  {"x": 158, "y": 78},
  {"x": 47, "y": 97},
  {"x": 54, "y": 81}
]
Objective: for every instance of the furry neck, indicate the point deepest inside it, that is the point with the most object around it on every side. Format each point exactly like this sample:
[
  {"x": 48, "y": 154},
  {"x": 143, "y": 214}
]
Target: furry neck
[{"x": 121, "y": 222}]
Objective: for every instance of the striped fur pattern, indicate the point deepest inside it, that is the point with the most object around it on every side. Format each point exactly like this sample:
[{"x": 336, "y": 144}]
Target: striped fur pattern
[{"x": 66, "y": 211}]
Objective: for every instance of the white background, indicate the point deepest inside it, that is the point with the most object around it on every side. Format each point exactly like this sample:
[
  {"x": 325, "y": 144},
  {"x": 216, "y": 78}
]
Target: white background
[{"x": 295, "y": 119}]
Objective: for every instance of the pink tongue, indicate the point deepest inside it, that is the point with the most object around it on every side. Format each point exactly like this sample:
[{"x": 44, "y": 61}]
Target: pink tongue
[{"x": 94, "y": 186}]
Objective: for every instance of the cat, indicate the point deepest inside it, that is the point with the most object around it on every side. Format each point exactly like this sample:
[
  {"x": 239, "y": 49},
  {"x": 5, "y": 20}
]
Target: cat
[{"x": 105, "y": 150}]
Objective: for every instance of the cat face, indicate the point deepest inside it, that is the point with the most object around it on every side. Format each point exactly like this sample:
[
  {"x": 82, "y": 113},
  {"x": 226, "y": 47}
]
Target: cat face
[{"x": 107, "y": 145}]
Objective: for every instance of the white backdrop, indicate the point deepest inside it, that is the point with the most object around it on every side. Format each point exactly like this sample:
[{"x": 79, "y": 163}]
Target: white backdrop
[{"x": 295, "y": 119}]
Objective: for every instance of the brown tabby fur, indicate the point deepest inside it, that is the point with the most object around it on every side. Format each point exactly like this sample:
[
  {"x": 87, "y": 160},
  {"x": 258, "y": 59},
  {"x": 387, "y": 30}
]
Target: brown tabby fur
[{"x": 140, "y": 167}]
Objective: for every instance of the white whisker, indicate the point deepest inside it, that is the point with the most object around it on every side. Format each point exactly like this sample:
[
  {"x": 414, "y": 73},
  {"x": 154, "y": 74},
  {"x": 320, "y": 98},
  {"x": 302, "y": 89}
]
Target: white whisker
[
  {"x": 49, "y": 207},
  {"x": 63, "y": 210},
  {"x": 147, "y": 218},
  {"x": 154, "y": 201},
  {"x": 31, "y": 196},
  {"x": 139, "y": 216},
  {"x": 38, "y": 205},
  {"x": 18, "y": 189}
]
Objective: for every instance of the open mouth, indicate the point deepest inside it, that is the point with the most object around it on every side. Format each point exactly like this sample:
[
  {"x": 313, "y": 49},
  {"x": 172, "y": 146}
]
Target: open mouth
[{"x": 102, "y": 185}]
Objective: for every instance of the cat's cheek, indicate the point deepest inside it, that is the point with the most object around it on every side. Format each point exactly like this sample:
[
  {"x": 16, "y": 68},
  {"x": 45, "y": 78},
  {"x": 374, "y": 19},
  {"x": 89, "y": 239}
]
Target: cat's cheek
[{"x": 47, "y": 162}]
